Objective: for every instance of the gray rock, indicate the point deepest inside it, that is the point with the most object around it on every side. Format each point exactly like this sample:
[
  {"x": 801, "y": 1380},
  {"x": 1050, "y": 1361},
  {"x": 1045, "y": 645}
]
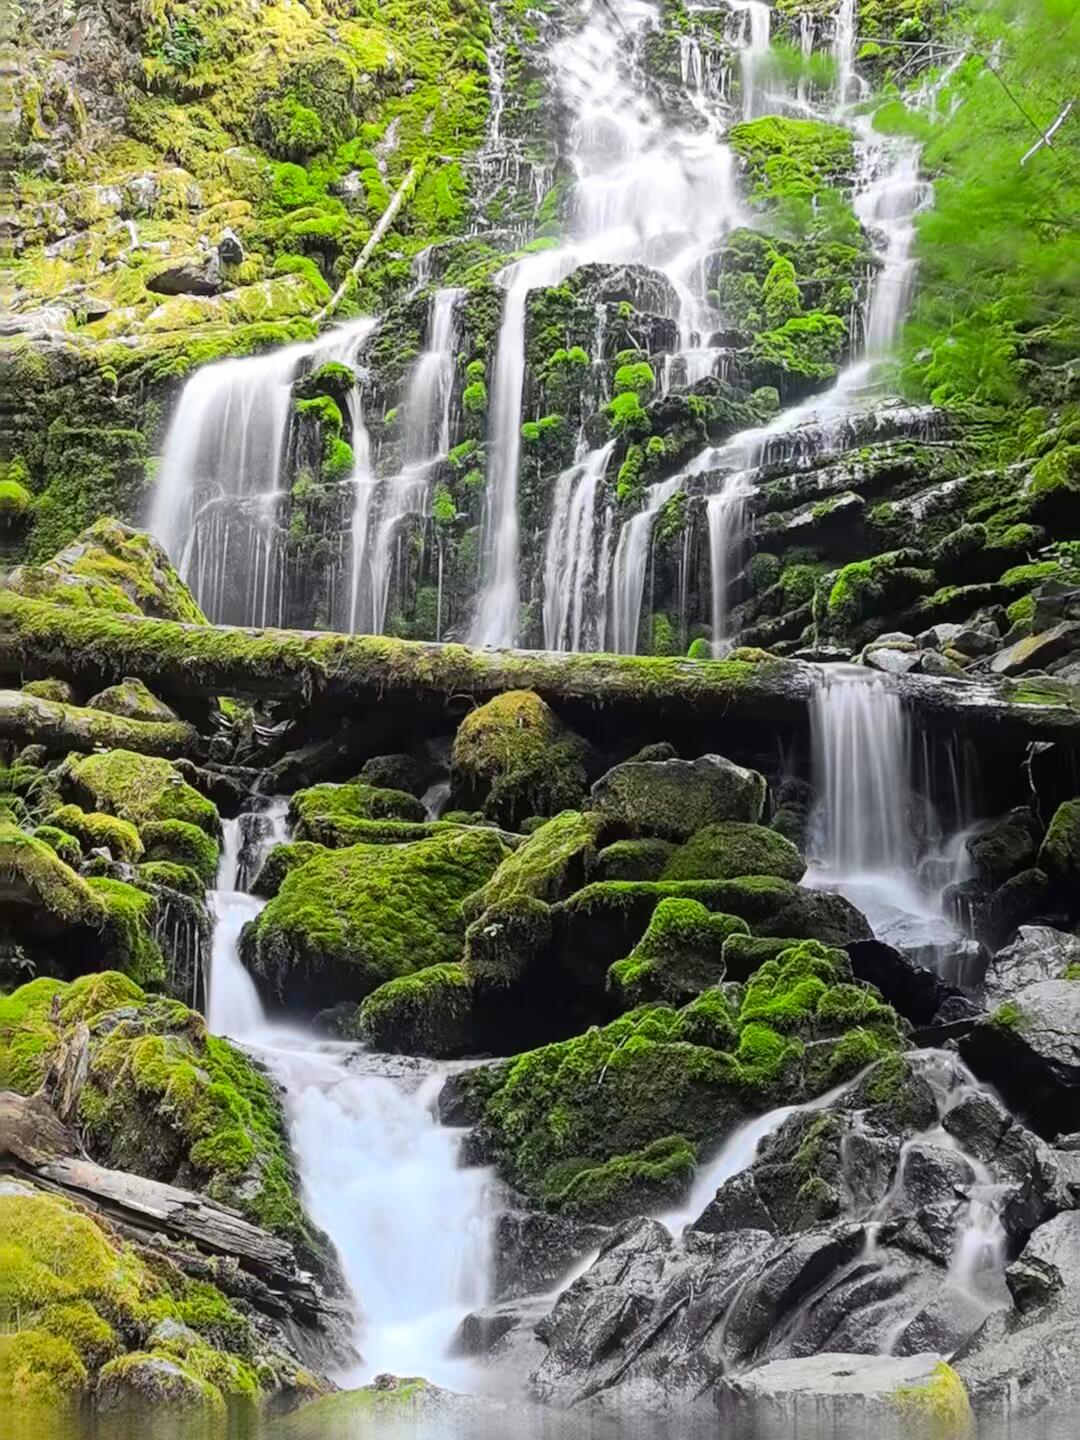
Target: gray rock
[
  {"x": 1038, "y": 650},
  {"x": 1038, "y": 952},
  {"x": 187, "y": 277},
  {"x": 534, "y": 1250},
  {"x": 857, "y": 1395},
  {"x": 1031, "y": 1054},
  {"x": 891, "y": 662},
  {"x": 931, "y": 663},
  {"x": 938, "y": 636},
  {"x": 230, "y": 248}
]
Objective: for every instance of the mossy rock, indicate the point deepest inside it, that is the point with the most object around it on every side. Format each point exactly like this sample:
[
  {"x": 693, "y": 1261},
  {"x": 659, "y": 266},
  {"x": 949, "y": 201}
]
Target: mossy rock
[
  {"x": 163, "y": 1097},
  {"x": 329, "y": 814},
  {"x": 503, "y": 942},
  {"x": 182, "y": 843},
  {"x": 555, "y": 860},
  {"x": 157, "y": 875},
  {"x": 66, "y": 846},
  {"x": 743, "y": 954},
  {"x": 141, "y": 788},
  {"x": 394, "y": 772},
  {"x": 426, "y": 1013},
  {"x": 95, "y": 831},
  {"x": 112, "y": 567},
  {"x": 280, "y": 861},
  {"x": 634, "y": 860},
  {"x": 1006, "y": 846},
  {"x": 1059, "y": 854},
  {"x": 678, "y": 957},
  {"x": 345, "y": 921},
  {"x": 133, "y": 700},
  {"x": 730, "y": 849},
  {"x": 673, "y": 799},
  {"x": 128, "y": 930},
  {"x": 514, "y": 758},
  {"x": 58, "y": 691}
]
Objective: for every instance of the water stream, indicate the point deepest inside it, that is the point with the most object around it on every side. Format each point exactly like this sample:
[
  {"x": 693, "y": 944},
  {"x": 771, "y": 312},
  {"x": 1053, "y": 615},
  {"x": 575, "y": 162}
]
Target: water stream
[{"x": 411, "y": 1226}]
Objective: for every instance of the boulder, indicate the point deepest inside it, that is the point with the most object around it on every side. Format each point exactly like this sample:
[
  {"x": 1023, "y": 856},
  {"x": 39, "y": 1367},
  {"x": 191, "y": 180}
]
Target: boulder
[
  {"x": 1005, "y": 846},
  {"x": 1037, "y": 651},
  {"x": 1037, "y": 953},
  {"x": 1059, "y": 854},
  {"x": 673, "y": 799},
  {"x": 911, "y": 1397},
  {"x": 132, "y": 700},
  {"x": 1029, "y": 1050},
  {"x": 732, "y": 848},
  {"x": 917, "y": 992},
  {"x": 514, "y": 758},
  {"x": 678, "y": 957},
  {"x": 196, "y": 276},
  {"x": 426, "y": 1013}
]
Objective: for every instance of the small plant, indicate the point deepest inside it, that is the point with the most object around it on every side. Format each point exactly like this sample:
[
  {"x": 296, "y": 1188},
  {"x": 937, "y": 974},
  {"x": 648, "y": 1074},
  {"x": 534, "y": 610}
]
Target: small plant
[{"x": 183, "y": 46}]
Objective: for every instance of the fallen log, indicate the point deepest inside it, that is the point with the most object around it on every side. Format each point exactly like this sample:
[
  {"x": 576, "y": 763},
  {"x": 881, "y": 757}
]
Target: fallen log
[
  {"x": 375, "y": 679},
  {"x": 30, "y": 720}
]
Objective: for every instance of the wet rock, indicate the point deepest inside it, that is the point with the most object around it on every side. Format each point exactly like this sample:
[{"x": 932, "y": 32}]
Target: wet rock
[
  {"x": 229, "y": 248},
  {"x": 890, "y": 661},
  {"x": 1037, "y": 953},
  {"x": 1029, "y": 1049},
  {"x": 883, "y": 1395},
  {"x": 675, "y": 798},
  {"x": 1029, "y": 1358},
  {"x": 931, "y": 663},
  {"x": 1005, "y": 846},
  {"x": 916, "y": 991},
  {"x": 1038, "y": 650},
  {"x": 534, "y": 1250}
]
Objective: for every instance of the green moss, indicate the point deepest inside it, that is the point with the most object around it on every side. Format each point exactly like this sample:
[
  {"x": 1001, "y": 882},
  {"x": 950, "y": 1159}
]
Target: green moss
[
  {"x": 939, "y": 1408},
  {"x": 1007, "y": 1016},
  {"x": 129, "y": 929},
  {"x": 634, "y": 860},
  {"x": 730, "y": 849},
  {"x": 66, "y": 846},
  {"x": 553, "y": 861},
  {"x": 119, "y": 837},
  {"x": 1059, "y": 854},
  {"x": 514, "y": 756},
  {"x": 652, "y": 1178},
  {"x": 181, "y": 843},
  {"x": 790, "y": 158},
  {"x": 500, "y": 945},
  {"x": 280, "y": 861},
  {"x": 33, "y": 876},
  {"x": 626, "y": 416},
  {"x": 678, "y": 956},
  {"x": 141, "y": 788},
  {"x": 347, "y": 920},
  {"x": 164, "y": 874},
  {"x": 427, "y": 1013},
  {"x": 316, "y": 814}
]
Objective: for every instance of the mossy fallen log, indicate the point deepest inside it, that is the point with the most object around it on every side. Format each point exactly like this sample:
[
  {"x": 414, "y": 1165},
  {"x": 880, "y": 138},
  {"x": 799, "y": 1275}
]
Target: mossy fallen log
[
  {"x": 359, "y": 674},
  {"x": 30, "y": 720}
]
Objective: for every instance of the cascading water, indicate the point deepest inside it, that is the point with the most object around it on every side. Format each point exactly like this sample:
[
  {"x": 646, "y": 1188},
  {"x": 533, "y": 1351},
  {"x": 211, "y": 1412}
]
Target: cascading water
[
  {"x": 644, "y": 191},
  {"x": 412, "y": 1227},
  {"x": 215, "y": 503},
  {"x": 630, "y": 564},
  {"x": 754, "y": 48},
  {"x": 570, "y": 559},
  {"x": 724, "y": 511}
]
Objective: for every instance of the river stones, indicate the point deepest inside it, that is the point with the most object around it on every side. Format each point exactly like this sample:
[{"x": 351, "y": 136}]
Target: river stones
[
  {"x": 1038, "y": 952},
  {"x": 1029, "y": 1049},
  {"x": 861, "y": 1395}
]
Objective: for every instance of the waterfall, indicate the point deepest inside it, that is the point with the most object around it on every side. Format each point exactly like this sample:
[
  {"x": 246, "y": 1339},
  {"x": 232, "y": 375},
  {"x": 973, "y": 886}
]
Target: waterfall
[
  {"x": 755, "y": 46},
  {"x": 412, "y": 1227},
  {"x": 428, "y": 404},
  {"x": 215, "y": 503},
  {"x": 725, "y": 514},
  {"x": 844, "y": 48},
  {"x": 631, "y": 562},
  {"x": 644, "y": 191},
  {"x": 862, "y": 761},
  {"x": 570, "y": 559}
]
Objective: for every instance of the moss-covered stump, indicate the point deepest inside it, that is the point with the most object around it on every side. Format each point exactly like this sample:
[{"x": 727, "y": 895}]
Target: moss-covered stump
[
  {"x": 339, "y": 815},
  {"x": 558, "y": 1120},
  {"x": 113, "y": 568},
  {"x": 673, "y": 799},
  {"x": 678, "y": 957},
  {"x": 140, "y": 788},
  {"x": 426, "y": 1013},
  {"x": 513, "y": 758},
  {"x": 345, "y": 921},
  {"x": 163, "y": 1098},
  {"x": 92, "y": 1318},
  {"x": 731, "y": 849}
]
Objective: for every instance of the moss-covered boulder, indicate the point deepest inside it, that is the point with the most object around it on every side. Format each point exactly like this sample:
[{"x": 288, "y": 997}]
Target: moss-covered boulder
[
  {"x": 514, "y": 758},
  {"x": 66, "y": 846},
  {"x": 347, "y": 920},
  {"x": 58, "y": 691},
  {"x": 673, "y": 799},
  {"x": 279, "y": 862},
  {"x": 1006, "y": 846},
  {"x": 141, "y": 788},
  {"x": 134, "y": 701},
  {"x": 93, "y": 1317},
  {"x": 678, "y": 957},
  {"x": 426, "y": 1013},
  {"x": 502, "y": 943},
  {"x": 95, "y": 831},
  {"x": 1059, "y": 854},
  {"x": 557, "y": 1118},
  {"x": 634, "y": 860},
  {"x": 163, "y": 1098},
  {"x": 328, "y": 814},
  {"x": 554, "y": 861},
  {"x": 111, "y": 567},
  {"x": 179, "y": 842},
  {"x": 731, "y": 849}
]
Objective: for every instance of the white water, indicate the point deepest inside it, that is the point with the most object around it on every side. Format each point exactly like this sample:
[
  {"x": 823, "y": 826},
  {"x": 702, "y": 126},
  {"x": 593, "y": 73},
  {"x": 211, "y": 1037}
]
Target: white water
[
  {"x": 630, "y": 564},
  {"x": 412, "y": 1227},
  {"x": 646, "y": 191},
  {"x": 754, "y": 48},
  {"x": 725, "y": 512},
  {"x": 570, "y": 559},
  {"x": 214, "y": 507}
]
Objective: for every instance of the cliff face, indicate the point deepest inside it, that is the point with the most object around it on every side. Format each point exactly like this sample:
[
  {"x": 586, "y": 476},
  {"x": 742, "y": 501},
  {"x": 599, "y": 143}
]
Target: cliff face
[{"x": 196, "y": 182}]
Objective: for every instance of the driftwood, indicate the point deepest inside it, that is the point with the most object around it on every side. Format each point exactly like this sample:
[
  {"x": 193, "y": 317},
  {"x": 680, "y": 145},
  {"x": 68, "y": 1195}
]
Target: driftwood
[
  {"x": 30, "y": 720},
  {"x": 378, "y": 681}
]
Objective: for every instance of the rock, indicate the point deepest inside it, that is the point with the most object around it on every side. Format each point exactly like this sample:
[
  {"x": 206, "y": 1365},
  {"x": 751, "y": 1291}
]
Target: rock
[
  {"x": 1028, "y": 1359},
  {"x": 1029, "y": 1049},
  {"x": 937, "y": 637},
  {"x": 1023, "y": 897},
  {"x": 1059, "y": 854},
  {"x": 884, "y": 1395},
  {"x": 134, "y": 701},
  {"x": 634, "y": 860},
  {"x": 730, "y": 849},
  {"x": 428, "y": 1012},
  {"x": 150, "y": 1383},
  {"x": 229, "y": 248},
  {"x": 1038, "y": 650},
  {"x": 931, "y": 663},
  {"x": 1038, "y": 952},
  {"x": 187, "y": 277},
  {"x": 678, "y": 957},
  {"x": 482, "y": 1330},
  {"x": 890, "y": 662},
  {"x": 514, "y": 758},
  {"x": 824, "y": 654},
  {"x": 916, "y": 991},
  {"x": 395, "y": 772},
  {"x": 1005, "y": 846},
  {"x": 896, "y": 640},
  {"x": 535, "y": 1249},
  {"x": 675, "y": 798}
]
